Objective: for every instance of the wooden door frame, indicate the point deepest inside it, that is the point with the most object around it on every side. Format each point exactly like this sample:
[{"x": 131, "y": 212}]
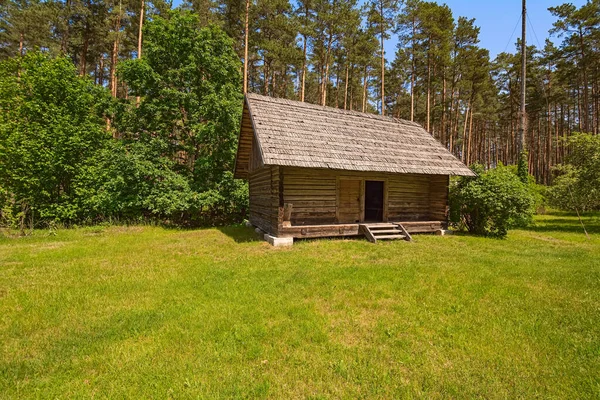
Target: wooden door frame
[
  {"x": 385, "y": 197},
  {"x": 361, "y": 200},
  {"x": 361, "y": 192}
]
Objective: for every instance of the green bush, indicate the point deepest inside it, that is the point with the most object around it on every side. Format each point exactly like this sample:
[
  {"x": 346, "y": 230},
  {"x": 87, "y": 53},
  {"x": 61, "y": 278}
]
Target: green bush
[
  {"x": 51, "y": 123},
  {"x": 134, "y": 181},
  {"x": 492, "y": 202}
]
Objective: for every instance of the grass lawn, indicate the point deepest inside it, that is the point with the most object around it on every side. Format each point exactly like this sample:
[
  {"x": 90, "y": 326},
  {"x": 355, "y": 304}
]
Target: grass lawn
[{"x": 148, "y": 312}]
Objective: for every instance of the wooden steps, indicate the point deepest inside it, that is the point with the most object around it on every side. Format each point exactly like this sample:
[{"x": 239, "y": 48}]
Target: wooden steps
[{"x": 384, "y": 231}]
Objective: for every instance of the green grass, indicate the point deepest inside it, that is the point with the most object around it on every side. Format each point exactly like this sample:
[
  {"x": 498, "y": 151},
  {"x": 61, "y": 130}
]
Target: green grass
[{"x": 147, "y": 312}]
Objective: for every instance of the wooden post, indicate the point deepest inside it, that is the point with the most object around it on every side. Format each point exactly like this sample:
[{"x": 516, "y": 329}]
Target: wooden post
[{"x": 287, "y": 214}]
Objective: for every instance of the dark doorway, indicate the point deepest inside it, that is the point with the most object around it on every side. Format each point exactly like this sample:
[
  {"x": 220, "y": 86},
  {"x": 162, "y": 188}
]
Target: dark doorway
[{"x": 373, "y": 201}]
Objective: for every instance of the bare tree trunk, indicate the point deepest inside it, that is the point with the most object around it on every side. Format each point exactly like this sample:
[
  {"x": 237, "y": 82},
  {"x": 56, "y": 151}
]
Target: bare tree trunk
[
  {"x": 470, "y": 130},
  {"x": 325, "y": 80},
  {"x": 337, "y": 87},
  {"x": 64, "y": 44},
  {"x": 346, "y": 88},
  {"x": 303, "y": 85},
  {"x": 382, "y": 65},
  {"x": 115, "y": 56},
  {"x": 266, "y": 77},
  {"x": 364, "y": 98},
  {"x": 428, "y": 93},
  {"x": 246, "y": 34},
  {"x": 21, "y": 40},
  {"x": 84, "y": 50},
  {"x": 465, "y": 158},
  {"x": 101, "y": 71},
  {"x": 139, "y": 49},
  {"x": 412, "y": 75},
  {"x": 443, "y": 136}
]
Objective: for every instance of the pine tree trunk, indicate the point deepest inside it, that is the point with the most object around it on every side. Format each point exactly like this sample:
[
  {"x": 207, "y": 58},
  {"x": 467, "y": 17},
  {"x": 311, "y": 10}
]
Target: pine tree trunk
[
  {"x": 21, "y": 40},
  {"x": 364, "y": 98},
  {"x": 337, "y": 87},
  {"x": 266, "y": 77},
  {"x": 470, "y": 131},
  {"x": 465, "y": 149},
  {"x": 556, "y": 133},
  {"x": 346, "y": 88},
  {"x": 139, "y": 49},
  {"x": 325, "y": 80},
  {"x": 443, "y": 136},
  {"x": 303, "y": 85},
  {"x": 428, "y": 92},
  {"x": 84, "y": 50},
  {"x": 412, "y": 74},
  {"x": 64, "y": 44},
  {"x": 382, "y": 68},
  {"x": 101, "y": 71},
  {"x": 246, "y": 34},
  {"x": 115, "y": 56}
]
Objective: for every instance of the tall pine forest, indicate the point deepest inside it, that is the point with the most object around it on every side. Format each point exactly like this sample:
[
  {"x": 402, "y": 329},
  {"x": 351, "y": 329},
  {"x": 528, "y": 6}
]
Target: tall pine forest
[{"x": 330, "y": 52}]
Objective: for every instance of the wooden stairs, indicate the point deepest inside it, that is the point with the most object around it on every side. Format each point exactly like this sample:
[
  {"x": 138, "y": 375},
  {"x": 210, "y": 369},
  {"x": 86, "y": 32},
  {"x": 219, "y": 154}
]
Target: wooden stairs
[{"x": 384, "y": 231}]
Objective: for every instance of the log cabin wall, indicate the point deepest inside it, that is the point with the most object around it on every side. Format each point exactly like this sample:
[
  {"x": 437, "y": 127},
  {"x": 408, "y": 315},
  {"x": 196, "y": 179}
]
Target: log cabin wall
[
  {"x": 314, "y": 195},
  {"x": 408, "y": 197},
  {"x": 263, "y": 187},
  {"x": 438, "y": 204}
]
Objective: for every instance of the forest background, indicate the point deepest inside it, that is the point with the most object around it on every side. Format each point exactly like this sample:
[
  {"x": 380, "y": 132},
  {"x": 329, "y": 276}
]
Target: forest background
[{"x": 130, "y": 109}]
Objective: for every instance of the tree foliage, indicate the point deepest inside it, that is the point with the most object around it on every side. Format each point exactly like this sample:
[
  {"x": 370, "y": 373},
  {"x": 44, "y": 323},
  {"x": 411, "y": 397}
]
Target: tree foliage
[
  {"x": 577, "y": 182},
  {"x": 189, "y": 83},
  {"x": 174, "y": 151},
  {"x": 51, "y": 124}
]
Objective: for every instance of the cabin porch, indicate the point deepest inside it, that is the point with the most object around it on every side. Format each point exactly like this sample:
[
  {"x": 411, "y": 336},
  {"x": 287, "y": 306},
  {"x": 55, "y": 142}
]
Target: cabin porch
[{"x": 340, "y": 230}]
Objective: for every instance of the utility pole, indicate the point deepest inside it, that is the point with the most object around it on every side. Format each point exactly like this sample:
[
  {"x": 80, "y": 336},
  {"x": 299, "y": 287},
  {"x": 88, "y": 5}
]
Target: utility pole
[
  {"x": 523, "y": 115},
  {"x": 523, "y": 164}
]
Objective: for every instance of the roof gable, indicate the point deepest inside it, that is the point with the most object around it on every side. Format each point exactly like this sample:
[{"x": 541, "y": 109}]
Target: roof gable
[{"x": 292, "y": 133}]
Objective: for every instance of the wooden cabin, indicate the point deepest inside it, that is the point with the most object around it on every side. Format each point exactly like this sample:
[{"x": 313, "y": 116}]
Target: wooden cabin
[{"x": 317, "y": 171}]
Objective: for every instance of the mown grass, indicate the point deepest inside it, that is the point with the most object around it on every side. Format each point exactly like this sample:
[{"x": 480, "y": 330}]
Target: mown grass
[{"x": 147, "y": 312}]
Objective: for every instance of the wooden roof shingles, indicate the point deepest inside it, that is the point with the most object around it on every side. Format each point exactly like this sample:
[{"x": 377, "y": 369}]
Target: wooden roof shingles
[{"x": 292, "y": 133}]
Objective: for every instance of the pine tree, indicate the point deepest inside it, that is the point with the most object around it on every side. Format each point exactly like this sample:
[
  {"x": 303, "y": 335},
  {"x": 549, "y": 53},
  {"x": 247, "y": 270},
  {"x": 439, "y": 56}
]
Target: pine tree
[{"x": 381, "y": 16}]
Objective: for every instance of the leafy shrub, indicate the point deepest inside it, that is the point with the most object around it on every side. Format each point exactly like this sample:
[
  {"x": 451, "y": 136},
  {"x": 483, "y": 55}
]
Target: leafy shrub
[
  {"x": 134, "y": 181},
  {"x": 131, "y": 182},
  {"x": 226, "y": 203},
  {"x": 50, "y": 125},
  {"x": 492, "y": 202},
  {"x": 576, "y": 184}
]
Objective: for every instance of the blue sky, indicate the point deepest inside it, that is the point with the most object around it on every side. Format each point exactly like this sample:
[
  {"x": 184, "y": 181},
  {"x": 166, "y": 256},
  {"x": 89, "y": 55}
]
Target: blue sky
[{"x": 497, "y": 20}]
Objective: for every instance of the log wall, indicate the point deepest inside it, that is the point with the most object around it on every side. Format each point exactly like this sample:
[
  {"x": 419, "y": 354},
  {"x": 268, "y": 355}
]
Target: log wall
[
  {"x": 438, "y": 197},
  {"x": 263, "y": 186},
  {"x": 315, "y": 199},
  {"x": 328, "y": 197}
]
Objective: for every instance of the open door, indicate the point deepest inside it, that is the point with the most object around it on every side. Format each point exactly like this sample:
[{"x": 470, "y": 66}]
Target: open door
[{"x": 374, "y": 194}]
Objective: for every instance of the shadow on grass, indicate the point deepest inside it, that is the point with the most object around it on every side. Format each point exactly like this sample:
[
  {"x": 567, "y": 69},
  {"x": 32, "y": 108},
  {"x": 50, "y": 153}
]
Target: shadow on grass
[
  {"x": 567, "y": 223},
  {"x": 240, "y": 233}
]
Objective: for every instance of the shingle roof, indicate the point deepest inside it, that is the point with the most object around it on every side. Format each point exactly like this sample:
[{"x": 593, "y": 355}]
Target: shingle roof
[{"x": 292, "y": 133}]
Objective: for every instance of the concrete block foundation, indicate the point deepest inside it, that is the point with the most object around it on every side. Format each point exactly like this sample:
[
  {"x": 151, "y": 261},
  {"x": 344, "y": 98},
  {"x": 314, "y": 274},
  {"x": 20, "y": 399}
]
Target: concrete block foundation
[{"x": 279, "y": 241}]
